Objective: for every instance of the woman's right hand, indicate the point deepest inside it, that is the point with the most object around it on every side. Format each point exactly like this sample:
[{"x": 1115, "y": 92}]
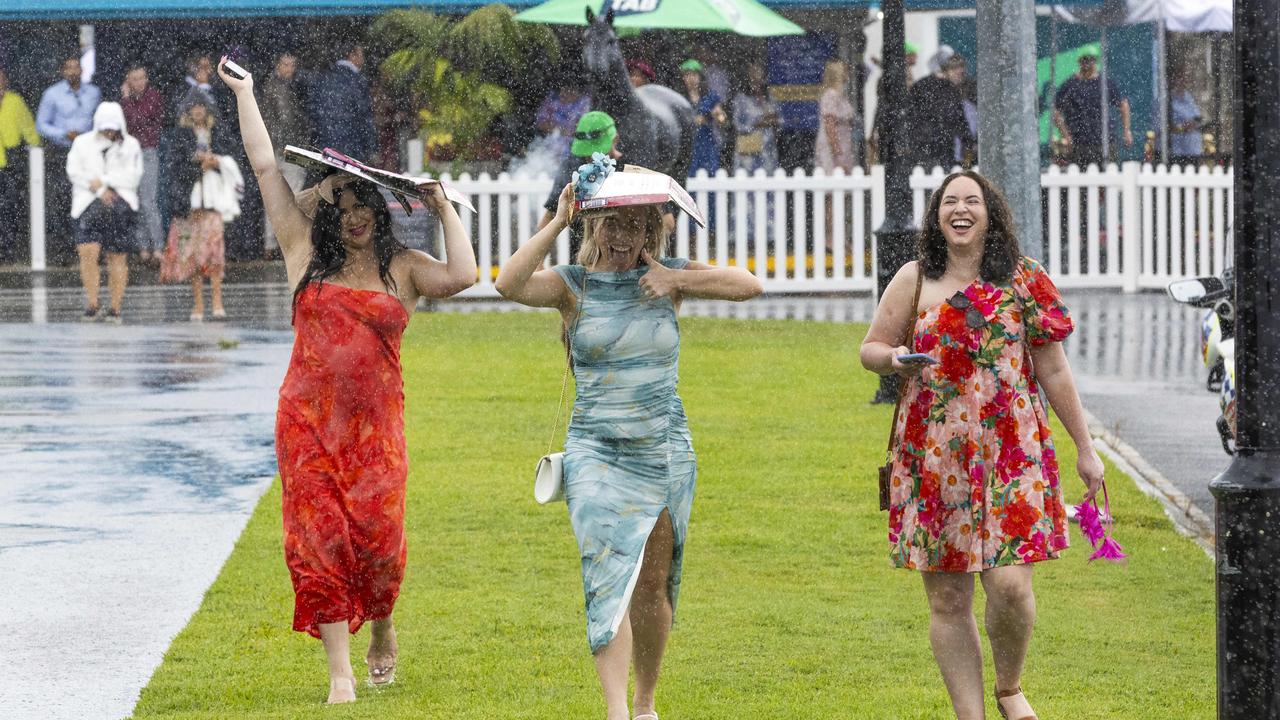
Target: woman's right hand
[
  {"x": 564, "y": 205},
  {"x": 235, "y": 84},
  {"x": 902, "y": 369}
]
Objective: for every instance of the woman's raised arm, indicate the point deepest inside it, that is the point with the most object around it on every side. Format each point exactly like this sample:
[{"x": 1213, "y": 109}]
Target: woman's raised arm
[
  {"x": 521, "y": 279},
  {"x": 291, "y": 226}
]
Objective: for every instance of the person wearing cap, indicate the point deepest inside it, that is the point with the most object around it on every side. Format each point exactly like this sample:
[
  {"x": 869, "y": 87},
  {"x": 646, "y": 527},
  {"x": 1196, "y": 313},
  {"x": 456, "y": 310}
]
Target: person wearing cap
[
  {"x": 935, "y": 112},
  {"x": 104, "y": 166},
  {"x": 596, "y": 133},
  {"x": 629, "y": 463},
  {"x": 709, "y": 118},
  {"x": 196, "y": 246},
  {"x": 340, "y": 436},
  {"x": 640, "y": 73},
  {"x": 1077, "y": 112}
]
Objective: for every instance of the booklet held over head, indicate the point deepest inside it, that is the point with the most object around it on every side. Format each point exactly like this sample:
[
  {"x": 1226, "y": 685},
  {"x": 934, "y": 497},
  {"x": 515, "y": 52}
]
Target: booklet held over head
[
  {"x": 636, "y": 185},
  {"x": 401, "y": 186}
]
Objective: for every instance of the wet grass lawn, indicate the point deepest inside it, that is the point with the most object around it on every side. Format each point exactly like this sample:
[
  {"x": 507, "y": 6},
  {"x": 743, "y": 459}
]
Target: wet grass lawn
[{"x": 789, "y": 608}]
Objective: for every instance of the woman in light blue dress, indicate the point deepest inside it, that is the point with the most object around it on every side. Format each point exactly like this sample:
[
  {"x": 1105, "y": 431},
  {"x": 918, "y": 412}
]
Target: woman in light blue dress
[{"x": 629, "y": 462}]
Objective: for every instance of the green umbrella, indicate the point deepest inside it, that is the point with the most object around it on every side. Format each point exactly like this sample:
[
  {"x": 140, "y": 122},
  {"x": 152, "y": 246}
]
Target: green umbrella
[{"x": 744, "y": 17}]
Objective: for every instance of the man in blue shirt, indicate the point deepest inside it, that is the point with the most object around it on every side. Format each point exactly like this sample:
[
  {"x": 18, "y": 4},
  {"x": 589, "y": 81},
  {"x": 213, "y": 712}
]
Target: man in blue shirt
[{"x": 66, "y": 110}]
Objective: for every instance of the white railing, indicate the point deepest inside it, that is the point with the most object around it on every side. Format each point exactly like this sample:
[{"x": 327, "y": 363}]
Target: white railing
[{"x": 1131, "y": 228}]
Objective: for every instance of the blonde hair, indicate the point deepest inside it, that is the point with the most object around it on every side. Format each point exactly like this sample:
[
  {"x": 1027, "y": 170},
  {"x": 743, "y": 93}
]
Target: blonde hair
[
  {"x": 835, "y": 75},
  {"x": 655, "y": 240}
]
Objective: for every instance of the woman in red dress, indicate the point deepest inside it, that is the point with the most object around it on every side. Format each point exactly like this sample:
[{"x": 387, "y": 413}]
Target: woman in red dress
[{"x": 340, "y": 424}]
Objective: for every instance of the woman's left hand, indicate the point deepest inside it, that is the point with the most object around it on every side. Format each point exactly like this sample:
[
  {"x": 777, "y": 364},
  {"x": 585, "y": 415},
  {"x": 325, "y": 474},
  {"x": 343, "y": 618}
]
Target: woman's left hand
[
  {"x": 436, "y": 200},
  {"x": 661, "y": 281},
  {"x": 1089, "y": 467}
]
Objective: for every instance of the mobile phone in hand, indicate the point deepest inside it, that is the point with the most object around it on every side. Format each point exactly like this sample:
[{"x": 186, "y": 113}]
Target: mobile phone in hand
[
  {"x": 235, "y": 70},
  {"x": 917, "y": 359}
]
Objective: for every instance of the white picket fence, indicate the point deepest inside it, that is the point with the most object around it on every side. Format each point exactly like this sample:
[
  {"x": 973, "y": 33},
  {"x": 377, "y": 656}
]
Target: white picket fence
[{"x": 1131, "y": 228}]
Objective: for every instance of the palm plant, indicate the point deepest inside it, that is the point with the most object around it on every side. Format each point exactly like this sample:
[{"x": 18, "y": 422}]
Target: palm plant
[{"x": 461, "y": 73}]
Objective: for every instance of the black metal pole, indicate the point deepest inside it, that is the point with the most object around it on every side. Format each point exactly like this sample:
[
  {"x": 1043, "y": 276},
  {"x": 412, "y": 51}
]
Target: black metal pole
[
  {"x": 1248, "y": 494},
  {"x": 895, "y": 238}
]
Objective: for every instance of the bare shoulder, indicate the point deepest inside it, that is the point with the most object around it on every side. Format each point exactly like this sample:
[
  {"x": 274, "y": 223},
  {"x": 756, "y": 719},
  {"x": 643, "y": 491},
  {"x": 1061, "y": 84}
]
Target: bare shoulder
[{"x": 904, "y": 281}]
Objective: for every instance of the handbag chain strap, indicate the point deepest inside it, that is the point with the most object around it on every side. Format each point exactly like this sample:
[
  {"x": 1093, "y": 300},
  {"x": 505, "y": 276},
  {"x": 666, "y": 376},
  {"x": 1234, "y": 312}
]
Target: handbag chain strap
[
  {"x": 911, "y": 335},
  {"x": 568, "y": 357}
]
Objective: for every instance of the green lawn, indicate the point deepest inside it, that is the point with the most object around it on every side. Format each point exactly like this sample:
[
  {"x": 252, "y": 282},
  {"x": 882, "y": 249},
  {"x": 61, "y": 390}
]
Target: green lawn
[{"x": 789, "y": 608}]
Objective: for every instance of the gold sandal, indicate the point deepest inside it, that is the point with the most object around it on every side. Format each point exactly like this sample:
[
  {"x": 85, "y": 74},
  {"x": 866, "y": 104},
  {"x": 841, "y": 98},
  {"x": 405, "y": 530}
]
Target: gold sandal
[{"x": 1017, "y": 705}]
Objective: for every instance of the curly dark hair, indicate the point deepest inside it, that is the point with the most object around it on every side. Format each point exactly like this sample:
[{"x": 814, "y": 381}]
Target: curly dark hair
[
  {"x": 1001, "y": 252},
  {"x": 329, "y": 255}
]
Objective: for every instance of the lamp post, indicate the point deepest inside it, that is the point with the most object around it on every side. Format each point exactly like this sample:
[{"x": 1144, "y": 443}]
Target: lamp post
[
  {"x": 895, "y": 238},
  {"x": 1248, "y": 494}
]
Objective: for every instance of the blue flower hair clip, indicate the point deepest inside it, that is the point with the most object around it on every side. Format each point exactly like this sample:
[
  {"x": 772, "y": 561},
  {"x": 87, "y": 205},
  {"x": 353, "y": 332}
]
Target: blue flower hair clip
[{"x": 588, "y": 178}]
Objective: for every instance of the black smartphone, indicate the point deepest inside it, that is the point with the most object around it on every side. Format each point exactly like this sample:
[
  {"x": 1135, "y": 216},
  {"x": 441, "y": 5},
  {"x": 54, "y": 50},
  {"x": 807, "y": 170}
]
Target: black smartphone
[{"x": 917, "y": 359}]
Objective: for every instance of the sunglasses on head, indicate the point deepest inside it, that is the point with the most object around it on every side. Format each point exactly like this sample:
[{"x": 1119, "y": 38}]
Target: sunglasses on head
[
  {"x": 592, "y": 134},
  {"x": 973, "y": 319}
]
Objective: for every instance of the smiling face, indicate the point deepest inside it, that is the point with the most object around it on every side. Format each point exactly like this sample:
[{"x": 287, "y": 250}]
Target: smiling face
[
  {"x": 962, "y": 214},
  {"x": 356, "y": 221},
  {"x": 620, "y": 236}
]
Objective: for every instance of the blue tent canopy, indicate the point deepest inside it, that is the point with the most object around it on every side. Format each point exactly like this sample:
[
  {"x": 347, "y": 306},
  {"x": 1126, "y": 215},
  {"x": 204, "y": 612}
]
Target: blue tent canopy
[{"x": 86, "y": 10}]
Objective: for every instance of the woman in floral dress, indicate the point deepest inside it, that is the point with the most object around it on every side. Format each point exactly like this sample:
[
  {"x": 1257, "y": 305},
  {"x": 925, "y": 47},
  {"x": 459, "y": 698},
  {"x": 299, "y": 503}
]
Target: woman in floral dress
[{"x": 975, "y": 487}]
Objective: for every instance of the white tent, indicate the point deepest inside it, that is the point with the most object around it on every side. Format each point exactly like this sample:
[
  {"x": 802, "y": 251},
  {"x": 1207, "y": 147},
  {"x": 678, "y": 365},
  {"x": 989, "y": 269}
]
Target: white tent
[
  {"x": 1169, "y": 15},
  {"x": 1178, "y": 15}
]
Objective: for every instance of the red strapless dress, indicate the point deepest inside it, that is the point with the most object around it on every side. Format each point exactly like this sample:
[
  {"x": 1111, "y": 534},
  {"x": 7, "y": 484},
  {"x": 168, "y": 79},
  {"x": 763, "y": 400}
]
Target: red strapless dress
[{"x": 341, "y": 448}]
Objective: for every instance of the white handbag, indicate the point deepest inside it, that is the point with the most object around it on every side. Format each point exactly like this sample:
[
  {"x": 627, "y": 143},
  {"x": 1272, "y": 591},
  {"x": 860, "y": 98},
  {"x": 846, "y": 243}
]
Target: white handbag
[
  {"x": 548, "y": 483},
  {"x": 548, "y": 474}
]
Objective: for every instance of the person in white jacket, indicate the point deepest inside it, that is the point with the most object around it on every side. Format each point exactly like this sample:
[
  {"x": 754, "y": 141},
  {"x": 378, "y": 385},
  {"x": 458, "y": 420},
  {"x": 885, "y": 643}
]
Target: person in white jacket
[{"x": 105, "y": 169}]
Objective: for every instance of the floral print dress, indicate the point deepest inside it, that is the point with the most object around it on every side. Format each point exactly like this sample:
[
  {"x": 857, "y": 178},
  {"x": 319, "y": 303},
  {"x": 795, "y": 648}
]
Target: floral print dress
[
  {"x": 343, "y": 461},
  {"x": 975, "y": 479}
]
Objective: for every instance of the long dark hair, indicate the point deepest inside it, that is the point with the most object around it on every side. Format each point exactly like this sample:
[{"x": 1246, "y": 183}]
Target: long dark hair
[
  {"x": 1001, "y": 252},
  {"x": 329, "y": 255}
]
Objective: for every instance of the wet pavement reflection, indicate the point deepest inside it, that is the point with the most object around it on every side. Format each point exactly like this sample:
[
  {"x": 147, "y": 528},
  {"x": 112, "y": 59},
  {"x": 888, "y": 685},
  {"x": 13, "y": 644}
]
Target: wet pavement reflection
[
  {"x": 126, "y": 453},
  {"x": 129, "y": 452}
]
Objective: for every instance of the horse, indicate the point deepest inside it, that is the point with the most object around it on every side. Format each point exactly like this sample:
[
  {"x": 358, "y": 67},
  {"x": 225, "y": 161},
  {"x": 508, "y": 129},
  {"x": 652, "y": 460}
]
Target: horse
[{"x": 655, "y": 123}]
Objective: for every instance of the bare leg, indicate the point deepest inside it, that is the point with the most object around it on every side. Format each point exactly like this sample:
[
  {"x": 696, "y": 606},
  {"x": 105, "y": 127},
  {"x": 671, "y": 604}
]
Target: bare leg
[
  {"x": 651, "y": 612},
  {"x": 215, "y": 292},
  {"x": 383, "y": 651},
  {"x": 197, "y": 291},
  {"x": 953, "y": 634},
  {"x": 613, "y": 661},
  {"x": 1011, "y": 615},
  {"x": 90, "y": 275},
  {"x": 117, "y": 278},
  {"x": 337, "y": 646}
]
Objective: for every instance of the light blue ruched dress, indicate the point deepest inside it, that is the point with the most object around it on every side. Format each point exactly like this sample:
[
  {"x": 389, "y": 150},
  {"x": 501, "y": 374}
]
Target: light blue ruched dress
[{"x": 628, "y": 455}]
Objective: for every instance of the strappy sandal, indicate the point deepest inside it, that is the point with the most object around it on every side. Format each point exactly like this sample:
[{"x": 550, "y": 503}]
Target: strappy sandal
[
  {"x": 382, "y": 675},
  {"x": 1017, "y": 709}
]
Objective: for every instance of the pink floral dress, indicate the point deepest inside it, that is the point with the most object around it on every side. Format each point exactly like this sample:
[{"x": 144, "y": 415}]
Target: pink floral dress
[{"x": 975, "y": 480}]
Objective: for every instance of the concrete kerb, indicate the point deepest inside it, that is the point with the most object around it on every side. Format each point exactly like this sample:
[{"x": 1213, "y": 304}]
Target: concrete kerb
[{"x": 1188, "y": 519}]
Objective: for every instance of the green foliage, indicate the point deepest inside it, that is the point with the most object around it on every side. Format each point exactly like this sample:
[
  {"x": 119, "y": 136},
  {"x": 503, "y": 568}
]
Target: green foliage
[
  {"x": 460, "y": 71},
  {"x": 789, "y": 608},
  {"x": 491, "y": 42}
]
